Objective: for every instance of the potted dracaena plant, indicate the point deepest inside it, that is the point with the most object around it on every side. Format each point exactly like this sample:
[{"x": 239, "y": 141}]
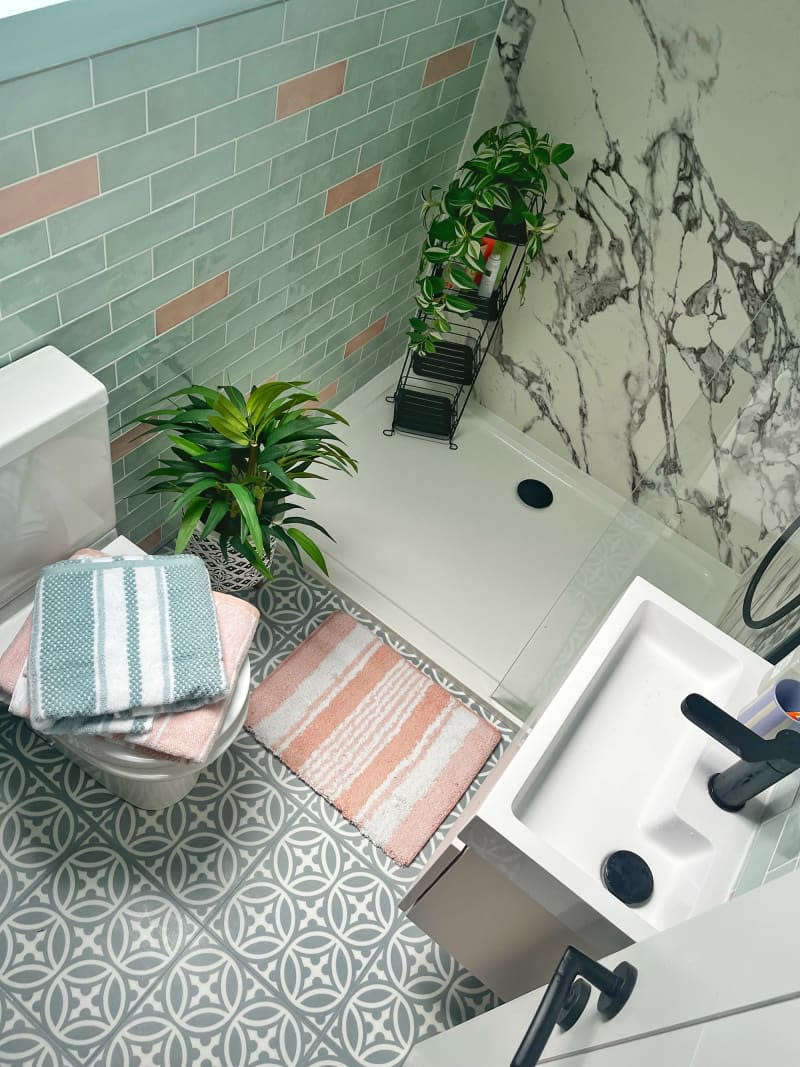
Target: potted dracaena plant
[
  {"x": 500, "y": 191},
  {"x": 236, "y": 463}
]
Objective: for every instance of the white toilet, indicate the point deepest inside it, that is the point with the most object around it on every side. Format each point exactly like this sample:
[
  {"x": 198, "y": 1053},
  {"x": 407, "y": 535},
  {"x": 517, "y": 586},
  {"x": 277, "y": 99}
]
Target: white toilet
[{"x": 56, "y": 495}]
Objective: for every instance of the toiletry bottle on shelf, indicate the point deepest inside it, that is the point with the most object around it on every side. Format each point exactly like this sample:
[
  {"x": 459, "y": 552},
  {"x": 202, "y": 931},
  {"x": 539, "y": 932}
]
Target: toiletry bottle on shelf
[
  {"x": 489, "y": 278},
  {"x": 487, "y": 247}
]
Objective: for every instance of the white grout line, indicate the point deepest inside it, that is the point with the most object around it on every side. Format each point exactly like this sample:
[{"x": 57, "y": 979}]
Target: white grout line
[
  {"x": 31, "y": 131},
  {"x": 49, "y": 246}
]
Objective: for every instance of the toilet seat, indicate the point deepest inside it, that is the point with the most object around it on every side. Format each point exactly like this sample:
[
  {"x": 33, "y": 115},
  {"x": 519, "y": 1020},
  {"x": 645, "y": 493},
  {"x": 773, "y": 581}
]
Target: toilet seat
[{"x": 142, "y": 780}]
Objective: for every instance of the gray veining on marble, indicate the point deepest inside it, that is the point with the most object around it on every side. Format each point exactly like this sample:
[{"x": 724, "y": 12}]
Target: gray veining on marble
[{"x": 658, "y": 347}]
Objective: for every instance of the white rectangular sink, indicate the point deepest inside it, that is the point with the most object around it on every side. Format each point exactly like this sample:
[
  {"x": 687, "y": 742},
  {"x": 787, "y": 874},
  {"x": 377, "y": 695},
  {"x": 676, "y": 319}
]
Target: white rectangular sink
[{"x": 613, "y": 765}]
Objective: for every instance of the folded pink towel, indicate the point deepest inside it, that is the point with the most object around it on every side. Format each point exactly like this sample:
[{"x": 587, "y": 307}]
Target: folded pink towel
[
  {"x": 189, "y": 735},
  {"x": 13, "y": 660}
]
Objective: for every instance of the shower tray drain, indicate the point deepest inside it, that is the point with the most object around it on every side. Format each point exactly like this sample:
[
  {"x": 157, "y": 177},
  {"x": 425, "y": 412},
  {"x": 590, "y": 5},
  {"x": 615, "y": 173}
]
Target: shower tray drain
[{"x": 535, "y": 493}]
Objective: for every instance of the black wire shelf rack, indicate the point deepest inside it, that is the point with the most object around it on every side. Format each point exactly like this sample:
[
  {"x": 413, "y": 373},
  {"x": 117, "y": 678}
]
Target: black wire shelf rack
[{"x": 434, "y": 388}]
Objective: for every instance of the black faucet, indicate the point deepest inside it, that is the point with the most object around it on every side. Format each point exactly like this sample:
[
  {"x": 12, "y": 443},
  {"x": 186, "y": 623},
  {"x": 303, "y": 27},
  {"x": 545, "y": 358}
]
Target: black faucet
[
  {"x": 566, "y": 996},
  {"x": 761, "y": 763}
]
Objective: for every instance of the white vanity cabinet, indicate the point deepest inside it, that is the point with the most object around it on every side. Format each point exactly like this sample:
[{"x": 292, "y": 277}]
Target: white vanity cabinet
[{"x": 722, "y": 988}]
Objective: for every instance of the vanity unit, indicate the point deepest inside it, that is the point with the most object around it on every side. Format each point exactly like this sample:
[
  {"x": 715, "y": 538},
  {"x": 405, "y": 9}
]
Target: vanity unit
[
  {"x": 722, "y": 988},
  {"x": 597, "y": 829}
]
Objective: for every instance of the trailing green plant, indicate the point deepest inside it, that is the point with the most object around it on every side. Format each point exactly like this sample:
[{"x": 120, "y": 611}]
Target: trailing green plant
[
  {"x": 505, "y": 182},
  {"x": 236, "y": 460}
]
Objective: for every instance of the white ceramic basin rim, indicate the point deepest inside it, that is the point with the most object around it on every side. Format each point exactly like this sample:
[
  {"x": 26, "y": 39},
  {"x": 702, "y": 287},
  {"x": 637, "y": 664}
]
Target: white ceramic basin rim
[{"x": 613, "y": 764}]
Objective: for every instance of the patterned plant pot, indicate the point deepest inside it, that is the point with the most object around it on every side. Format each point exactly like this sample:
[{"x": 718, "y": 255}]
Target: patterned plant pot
[{"x": 236, "y": 574}]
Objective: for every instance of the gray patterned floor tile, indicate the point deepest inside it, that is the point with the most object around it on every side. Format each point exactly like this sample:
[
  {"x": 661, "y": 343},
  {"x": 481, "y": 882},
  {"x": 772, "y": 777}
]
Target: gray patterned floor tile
[
  {"x": 22, "y": 1044},
  {"x": 308, "y": 917},
  {"x": 413, "y": 989},
  {"x": 36, "y": 825},
  {"x": 291, "y": 607},
  {"x": 65, "y": 777},
  {"x": 200, "y": 848},
  {"x": 262, "y": 761},
  {"x": 87, "y": 942},
  {"x": 326, "y": 1054},
  {"x": 210, "y": 1010},
  {"x": 327, "y": 816}
]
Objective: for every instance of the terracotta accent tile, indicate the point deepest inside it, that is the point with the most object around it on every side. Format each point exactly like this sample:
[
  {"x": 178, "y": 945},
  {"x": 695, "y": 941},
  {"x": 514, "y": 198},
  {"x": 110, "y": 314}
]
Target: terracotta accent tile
[
  {"x": 309, "y": 89},
  {"x": 351, "y": 189},
  {"x": 47, "y": 193},
  {"x": 183, "y": 307},
  {"x": 127, "y": 442},
  {"x": 152, "y": 541},
  {"x": 327, "y": 394},
  {"x": 361, "y": 339},
  {"x": 447, "y": 63}
]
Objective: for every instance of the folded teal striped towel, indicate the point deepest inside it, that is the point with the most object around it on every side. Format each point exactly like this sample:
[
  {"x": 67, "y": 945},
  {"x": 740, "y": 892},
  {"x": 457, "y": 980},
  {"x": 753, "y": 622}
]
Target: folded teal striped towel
[{"x": 122, "y": 637}]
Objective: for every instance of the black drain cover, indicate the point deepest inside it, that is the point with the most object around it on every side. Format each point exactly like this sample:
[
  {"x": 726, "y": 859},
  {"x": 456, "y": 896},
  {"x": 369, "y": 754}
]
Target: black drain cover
[
  {"x": 628, "y": 878},
  {"x": 535, "y": 493}
]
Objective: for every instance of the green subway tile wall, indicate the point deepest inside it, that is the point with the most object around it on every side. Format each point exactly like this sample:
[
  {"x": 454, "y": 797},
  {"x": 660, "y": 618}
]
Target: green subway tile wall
[{"x": 199, "y": 182}]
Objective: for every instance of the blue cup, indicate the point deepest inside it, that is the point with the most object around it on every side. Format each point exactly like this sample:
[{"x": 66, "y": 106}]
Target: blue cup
[{"x": 774, "y": 710}]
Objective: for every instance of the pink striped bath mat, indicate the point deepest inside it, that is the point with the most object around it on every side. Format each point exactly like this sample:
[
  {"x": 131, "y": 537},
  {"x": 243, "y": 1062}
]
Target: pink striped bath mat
[{"x": 386, "y": 745}]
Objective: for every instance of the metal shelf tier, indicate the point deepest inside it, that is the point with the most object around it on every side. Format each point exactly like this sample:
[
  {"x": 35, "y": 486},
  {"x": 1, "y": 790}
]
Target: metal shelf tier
[{"x": 434, "y": 387}]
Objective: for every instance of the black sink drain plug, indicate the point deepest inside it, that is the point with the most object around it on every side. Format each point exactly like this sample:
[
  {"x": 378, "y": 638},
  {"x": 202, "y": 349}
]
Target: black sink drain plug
[{"x": 627, "y": 877}]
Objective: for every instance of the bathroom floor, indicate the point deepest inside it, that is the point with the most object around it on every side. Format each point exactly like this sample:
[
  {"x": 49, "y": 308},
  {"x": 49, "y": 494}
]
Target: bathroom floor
[{"x": 249, "y": 924}]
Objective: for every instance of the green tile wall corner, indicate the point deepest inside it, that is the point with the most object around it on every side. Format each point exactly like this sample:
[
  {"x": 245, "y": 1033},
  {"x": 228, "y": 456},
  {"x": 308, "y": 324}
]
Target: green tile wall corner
[
  {"x": 190, "y": 242},
  {"x": 105, "y": 286},
  {"x": 145, "y": 155},
  {"x": 198, "y": 182},
  {"x": 89, "y": 131},
  {"x": 240, "y": 189},
  {"x": 374, "y": 63},
  {"x": 100, "y": 215},
  {"x": 266, "y": 208},
  {"x": 404, "y": 19},
  {"x": 44, "y": 96},
  {"x": 302, "y": 159},
  {"x": 225, "y": 123},
  {"x": 167, "y": 104},
  {"x": 278, "y": 64},
  {"x": 22, "y": 248},
  {"x": 151, "y": 232},
  {"x": 194, "y": 174},
  {"x": 272, "y": 142},
  {"x": 306, "y": 17},
  {"x": 338, "y": 111},
  {"x": 240, "y": 34},
  {"x": 50, "y": 276},
  {"x": 348, "y": 39},
  {"x": 126, "y": 70},
  {"x": 17, "y": 158}
]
